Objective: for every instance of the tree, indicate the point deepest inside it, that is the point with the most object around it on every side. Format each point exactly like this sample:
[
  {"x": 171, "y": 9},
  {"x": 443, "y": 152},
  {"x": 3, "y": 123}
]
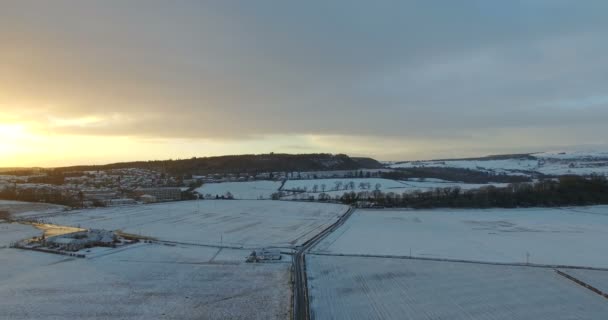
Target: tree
[{"x": 338, "y": 185}]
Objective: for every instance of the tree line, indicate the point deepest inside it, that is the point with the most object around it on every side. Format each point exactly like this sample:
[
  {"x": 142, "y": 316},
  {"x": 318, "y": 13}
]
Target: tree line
[{"x": 562, "y": 191}]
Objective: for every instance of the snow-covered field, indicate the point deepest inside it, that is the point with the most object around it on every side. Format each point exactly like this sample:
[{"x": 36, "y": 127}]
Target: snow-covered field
[
  {"x": 19, "y": 209},
  {"x": 376, "y": 288},
  {"x": 507, "y": 166},
  {"x": 251, "y": 190},
  {"x": 13, "y": 232},
  {"x": 549, "y": 163},
  {"x": 430, "y": 185},
  {"x": 595, "y": 278},
  {"x": 575, "y": 237},
  {"x": 337, "y": 187},
  {"x": 240, "y": 223},
  {"x": 359, "y": 184},
  {"x": 143, "y": 281}
]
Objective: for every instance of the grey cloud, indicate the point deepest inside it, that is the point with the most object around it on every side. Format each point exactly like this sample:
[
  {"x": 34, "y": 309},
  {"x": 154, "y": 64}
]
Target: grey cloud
[{"x": 235, "y": 69}]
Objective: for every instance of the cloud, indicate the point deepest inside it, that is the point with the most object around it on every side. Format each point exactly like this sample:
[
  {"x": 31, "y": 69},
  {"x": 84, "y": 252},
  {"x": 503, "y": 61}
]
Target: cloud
[{"x": 397, "y": 71}]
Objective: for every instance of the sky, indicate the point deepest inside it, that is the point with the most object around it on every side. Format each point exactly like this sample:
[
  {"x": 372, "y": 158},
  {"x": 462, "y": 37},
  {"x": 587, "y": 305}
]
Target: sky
[{"x": 92, "y": 82}]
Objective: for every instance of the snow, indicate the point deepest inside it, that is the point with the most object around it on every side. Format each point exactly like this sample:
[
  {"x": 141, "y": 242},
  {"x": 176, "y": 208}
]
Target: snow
[
  {"x": 595, "y": 278},
  {"x": 13, "y": 232},
  {"x": 569, "y": 155},
  {"x": 145, "y": 281},
  {"x": 397, "y": 187},
  {"x": 251, "y": 190},
  {"x": 430, "y": 185},
  {"x": 331, "y": 184},
  {"x": 549, "y": 163},
  {"x": 19, "y": 209},
  {"x": 575, "y": 237},
  {"x": 376, "y": 288},
  {"x": 506, "y": 166},
  {"x": 239, "y": 223}
]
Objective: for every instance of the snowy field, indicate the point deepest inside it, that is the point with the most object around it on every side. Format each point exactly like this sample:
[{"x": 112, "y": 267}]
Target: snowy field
[
  {"x": 375, "y": 288},
  {"x": 337, "y": 187},
  {"x": 239, "y": 223},
  {"x": 18, "y": 209},
  {"x": 143, "y": 281},
  {"x": 549, "y": 163},
  {"x": 506, "y": 166},
  {"x": 360, "y": 184},
  {"x": 13, "y": 232},
  {"x": 595, "y": 278},
  {"x": 575, "y": 237},
  {"x": 251, "y": 190}
]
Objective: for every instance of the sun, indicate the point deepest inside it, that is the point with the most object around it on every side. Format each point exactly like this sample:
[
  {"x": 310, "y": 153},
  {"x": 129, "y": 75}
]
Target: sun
[
  {"x": 12, "y": 132},
  {"x": 13, "y": 141}
]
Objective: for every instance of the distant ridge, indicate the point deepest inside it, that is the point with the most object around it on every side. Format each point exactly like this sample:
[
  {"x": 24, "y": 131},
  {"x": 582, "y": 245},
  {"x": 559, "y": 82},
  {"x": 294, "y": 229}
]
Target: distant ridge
[{"x": 249, "y": 163}]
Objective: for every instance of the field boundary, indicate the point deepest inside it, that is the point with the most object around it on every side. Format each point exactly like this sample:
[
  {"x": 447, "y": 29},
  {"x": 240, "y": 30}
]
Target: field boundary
[
  {"x": 515, "y": 264},
  {"x": 582, "y": 283}
]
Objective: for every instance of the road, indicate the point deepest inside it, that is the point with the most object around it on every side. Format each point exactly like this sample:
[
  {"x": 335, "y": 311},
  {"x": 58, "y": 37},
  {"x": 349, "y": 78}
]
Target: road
[{"x": 301, "y": 309}]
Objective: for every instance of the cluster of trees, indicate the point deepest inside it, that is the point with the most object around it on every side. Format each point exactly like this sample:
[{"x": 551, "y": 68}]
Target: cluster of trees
[
  {"x": 454, "y": 174},
  {"x": 563, "y": 191}
]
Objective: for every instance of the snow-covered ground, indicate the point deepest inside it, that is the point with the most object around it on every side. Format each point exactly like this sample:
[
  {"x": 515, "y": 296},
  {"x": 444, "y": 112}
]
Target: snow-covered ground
[
  {"x": 549, "y": 163},
  {"x": 506, "y": 166},
  {"x": 143, "y": 281},
  {"x": 240, "y": 223},
  {"x": 19, "y": 209},
  {"x": 252, "y": 190},
  {"x": 430, "y": 185},
  {"x": 575, "y": 237},
  {"x": 337, "y": 187},
  {"x": 569, "y": 155},
  {"x": 595, "y": 278},
  {"x": 376, "y": 288},
  {"x": 13, "y": 232},
  {"x": 358, "y": 184}
]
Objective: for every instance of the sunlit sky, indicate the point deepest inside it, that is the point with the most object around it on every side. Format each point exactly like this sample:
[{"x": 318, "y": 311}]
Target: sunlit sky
[{"x": 91, "y": 82}]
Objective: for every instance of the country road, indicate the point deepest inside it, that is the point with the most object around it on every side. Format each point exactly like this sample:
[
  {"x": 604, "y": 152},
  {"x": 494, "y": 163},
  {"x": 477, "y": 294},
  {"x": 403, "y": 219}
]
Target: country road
[{"x": 301, "y": 309}]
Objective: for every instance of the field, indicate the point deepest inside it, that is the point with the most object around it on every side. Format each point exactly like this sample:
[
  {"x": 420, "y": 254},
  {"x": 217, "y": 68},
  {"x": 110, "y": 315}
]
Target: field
[
  {"x": 595, "y": 278},
  {"x": 377, "y": 288},
  {"x": 143, "y": 281},
  {"x": 250, "y": 190},
  {"x": 549, "y": 163},
  {"x": 13, "y": 232},
  {"x": 341, "y": 184},
  {"x": 189, "y": 279},
  {"x": 238, "y": 223},
  {"x": 575, "y": 237},
  {"x": 18, "y": 209},
  {"x": 337, "y": 187}
]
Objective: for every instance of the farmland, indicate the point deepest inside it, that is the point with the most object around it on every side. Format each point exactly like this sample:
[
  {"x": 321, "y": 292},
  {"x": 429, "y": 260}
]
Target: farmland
[
  {"x": 304, "y": 189},
  {"x": 248, "y": 224},
  {"x": 146, "y": 281},
  {"x": 562, "y": 236},
  {"x": 379, "y": 288},
  {"x": 247, "y": 190},
  {"x": 548, "y": 163},
  {"x": 191, "y": 272},
  {"x": 375, "y": 264}
]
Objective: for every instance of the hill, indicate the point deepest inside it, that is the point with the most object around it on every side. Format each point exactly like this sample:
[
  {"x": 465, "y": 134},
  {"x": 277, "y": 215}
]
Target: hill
[{"x": 273, "y": 162}]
